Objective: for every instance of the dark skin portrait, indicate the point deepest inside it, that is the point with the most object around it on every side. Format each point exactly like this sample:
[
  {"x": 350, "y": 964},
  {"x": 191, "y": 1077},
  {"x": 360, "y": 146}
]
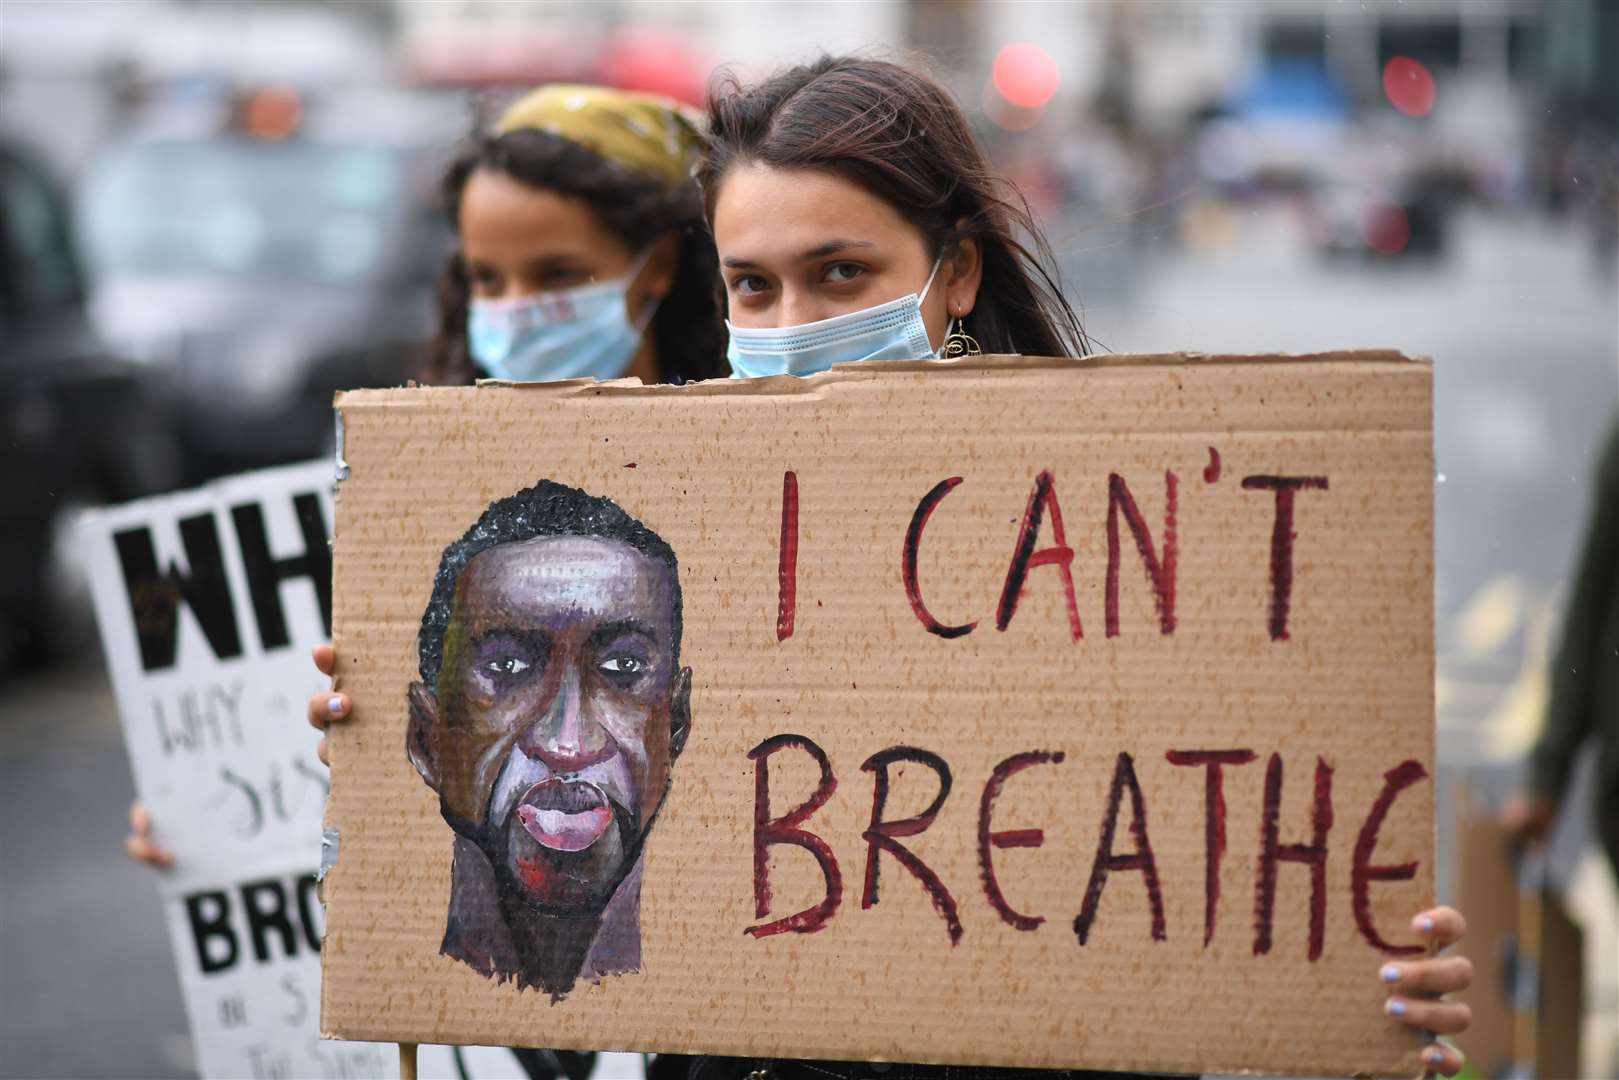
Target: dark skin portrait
[{"x": 557, "y": 717}]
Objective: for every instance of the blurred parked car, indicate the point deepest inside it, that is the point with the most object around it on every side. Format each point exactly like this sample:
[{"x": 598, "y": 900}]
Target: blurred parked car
[
  {"x": 267, "y": 262},
  {"x": 1404, "y": 213},
  {"x": 78, "y": 426}
]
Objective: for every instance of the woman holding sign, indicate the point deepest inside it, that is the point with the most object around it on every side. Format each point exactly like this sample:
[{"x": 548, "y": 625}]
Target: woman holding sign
[
  {"x": 582, "y": 253},
  {"x": 857, "y": 218}
]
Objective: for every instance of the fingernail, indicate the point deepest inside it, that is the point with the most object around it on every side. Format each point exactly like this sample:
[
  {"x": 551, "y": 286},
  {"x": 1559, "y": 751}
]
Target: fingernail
[
  {"x": 335, "y": 705},
  {"x": 1427, "y": 924},
  {"x": 1436, "y": 1058},
  {"x": 1390, "y": 974},
  {"x": 1396, "y": 1007}
]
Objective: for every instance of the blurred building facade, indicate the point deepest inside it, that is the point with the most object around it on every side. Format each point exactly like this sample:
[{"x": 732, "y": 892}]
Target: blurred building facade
[{"x": 1149, "y": 64}]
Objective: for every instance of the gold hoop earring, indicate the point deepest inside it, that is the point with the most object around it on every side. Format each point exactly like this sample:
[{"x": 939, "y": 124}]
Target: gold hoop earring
[{"x": 957, "y": 342}]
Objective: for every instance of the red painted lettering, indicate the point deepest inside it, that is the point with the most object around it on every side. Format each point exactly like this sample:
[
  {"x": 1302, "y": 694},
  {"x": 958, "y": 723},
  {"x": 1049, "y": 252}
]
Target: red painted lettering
[
  {"x": 913, "y": 541},
  {"x": 787, "y": 594},
  {"x": 1364, "y": 873},
  {"x": 1281, "y": 541},
  {"x": 1313, "y": 855},
  {"x": 1016, "y": 838},
  {"x": 883, "y": 835},
  {"x": 1025, "y": 558},
  {"x": 1213, "y": 821},
  {"x": 1160, "y": 571},
  {"x": 768, "y": 832},
  {"x": 1124, "y": 779}
]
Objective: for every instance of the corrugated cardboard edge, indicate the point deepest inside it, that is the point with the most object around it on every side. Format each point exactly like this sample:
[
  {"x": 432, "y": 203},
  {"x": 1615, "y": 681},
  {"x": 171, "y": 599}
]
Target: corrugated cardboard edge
[{"x": 866, "y": 370}]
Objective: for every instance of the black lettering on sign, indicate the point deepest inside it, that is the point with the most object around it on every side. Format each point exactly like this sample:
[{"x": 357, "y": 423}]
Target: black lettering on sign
[
  {"x": 265, "y": 572},
  {"x": 339, "y": 1062},
  {"x": 300, "y": 1001},
  {"x": 201, "y": 718},
  {"x": 268, "y": 911},
  {"x": 309, "y": 909},
  {"x": 266, "y": 906},
  {"x": 253, "y": 823},
  {"x": 212, "y": 926},
  {"x": 232, "y": 1011},
  {"x": 155, "y": 594},
  {"x": 268, "y": 1064}
]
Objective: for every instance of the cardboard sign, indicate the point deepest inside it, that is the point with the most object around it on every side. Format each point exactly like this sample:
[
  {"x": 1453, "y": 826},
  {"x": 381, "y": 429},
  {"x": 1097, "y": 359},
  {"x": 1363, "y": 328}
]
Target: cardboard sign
[
  {"x": 208, "y": 604},
  {"x": 1487, "y": 892},
  {"x": 1010, "y": 711},
  {"x": 1527, "y": 993}
]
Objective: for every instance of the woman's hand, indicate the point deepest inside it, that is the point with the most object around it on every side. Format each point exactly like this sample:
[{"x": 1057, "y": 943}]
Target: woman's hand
[
  {"x": 139, "y": 844},
  {"x": 329, "y": 706},
  {"x": 1417, "y": 988},
  {"x": 1527, "y": 819}
]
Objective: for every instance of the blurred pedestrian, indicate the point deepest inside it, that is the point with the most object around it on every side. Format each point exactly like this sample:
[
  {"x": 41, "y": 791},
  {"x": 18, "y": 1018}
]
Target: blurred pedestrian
[{"x": 1584, "y": 702}]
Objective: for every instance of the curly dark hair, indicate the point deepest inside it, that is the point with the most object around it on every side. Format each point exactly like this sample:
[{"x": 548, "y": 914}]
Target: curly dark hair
[
  {"x": 545, "y": 509},
  {"x": 901, "y": 136},
  {"x": 687, "y": 328}
]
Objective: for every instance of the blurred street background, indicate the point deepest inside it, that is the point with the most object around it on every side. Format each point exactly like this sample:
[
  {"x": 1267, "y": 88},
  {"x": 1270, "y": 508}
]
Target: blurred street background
[{"x": 213, "y": 215}]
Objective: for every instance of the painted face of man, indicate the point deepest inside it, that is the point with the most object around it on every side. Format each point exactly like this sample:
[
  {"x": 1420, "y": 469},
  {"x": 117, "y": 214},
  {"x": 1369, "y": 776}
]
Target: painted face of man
[{"x": 558, "y": 713}]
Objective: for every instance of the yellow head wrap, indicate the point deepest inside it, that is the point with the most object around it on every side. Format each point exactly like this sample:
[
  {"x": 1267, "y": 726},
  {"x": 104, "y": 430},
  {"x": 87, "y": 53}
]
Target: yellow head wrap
[{"x": 654, "y": 134}]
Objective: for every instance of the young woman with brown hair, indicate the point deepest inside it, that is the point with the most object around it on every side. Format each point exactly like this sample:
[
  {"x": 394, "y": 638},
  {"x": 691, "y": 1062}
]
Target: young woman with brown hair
[
  {"x": 857, "y": 218},
  {"x": 583, "y": 251}
]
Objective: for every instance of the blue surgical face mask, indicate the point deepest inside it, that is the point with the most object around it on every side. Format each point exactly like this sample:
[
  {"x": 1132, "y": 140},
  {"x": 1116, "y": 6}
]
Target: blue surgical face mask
[
  {"x": 891, "y": 331},
  {"x": 569, "y": 334}
]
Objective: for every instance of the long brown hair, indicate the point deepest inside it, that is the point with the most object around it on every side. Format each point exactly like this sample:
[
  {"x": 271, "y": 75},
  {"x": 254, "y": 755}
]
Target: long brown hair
[
  {"x": 901, "y": 136},
  {"x": 636, "y": 206}
]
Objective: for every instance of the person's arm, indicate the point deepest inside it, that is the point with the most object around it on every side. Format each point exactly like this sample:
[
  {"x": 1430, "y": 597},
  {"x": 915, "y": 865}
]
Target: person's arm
[{"x": 1569, "y": 713}]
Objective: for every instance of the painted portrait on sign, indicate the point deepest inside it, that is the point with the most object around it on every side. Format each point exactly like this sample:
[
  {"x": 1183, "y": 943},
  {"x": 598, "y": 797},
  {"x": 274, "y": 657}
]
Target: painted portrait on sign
[{"x": 548, "y": 717}]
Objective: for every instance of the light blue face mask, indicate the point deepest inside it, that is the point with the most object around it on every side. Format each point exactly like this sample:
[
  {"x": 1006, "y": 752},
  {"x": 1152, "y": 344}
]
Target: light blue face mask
[
  {"x": 891, "y": 331},
  {"x": 577, "y": 333}
]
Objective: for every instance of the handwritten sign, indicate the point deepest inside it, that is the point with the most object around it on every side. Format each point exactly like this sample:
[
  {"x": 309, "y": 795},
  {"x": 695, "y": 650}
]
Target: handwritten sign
[
  {"x": 208, "y": 604},
  {"x": 1024, "y": 712}
]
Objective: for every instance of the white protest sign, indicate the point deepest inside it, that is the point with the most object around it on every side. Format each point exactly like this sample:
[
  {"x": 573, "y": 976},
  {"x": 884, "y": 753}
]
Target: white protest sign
[{"x": 209, "y": 602}]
